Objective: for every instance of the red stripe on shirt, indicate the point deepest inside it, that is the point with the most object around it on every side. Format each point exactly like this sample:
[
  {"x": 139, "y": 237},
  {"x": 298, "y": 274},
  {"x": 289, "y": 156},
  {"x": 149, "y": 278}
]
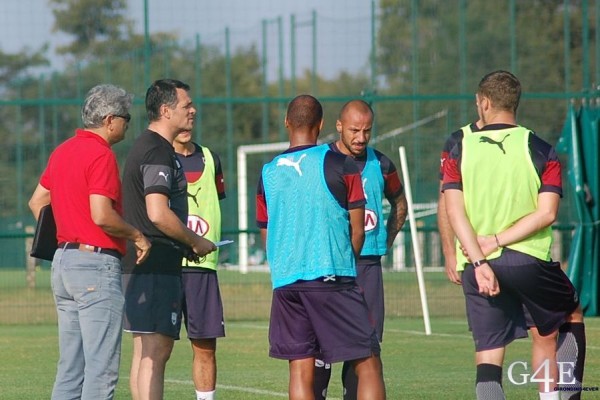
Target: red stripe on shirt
[
  {"x": 356, "y": 194},
  {"x": 552, "y": 175}
]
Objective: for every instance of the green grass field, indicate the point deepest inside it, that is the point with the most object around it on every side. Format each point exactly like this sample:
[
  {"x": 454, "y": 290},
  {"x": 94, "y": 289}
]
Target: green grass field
[
  {"x": 245, "y": 296},
  {"x": 415, "y": 366}
]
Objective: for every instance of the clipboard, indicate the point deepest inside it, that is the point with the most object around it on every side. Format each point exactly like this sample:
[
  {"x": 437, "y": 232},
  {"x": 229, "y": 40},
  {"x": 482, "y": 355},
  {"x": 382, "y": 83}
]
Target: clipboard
[{"x": 44, "y": 240}]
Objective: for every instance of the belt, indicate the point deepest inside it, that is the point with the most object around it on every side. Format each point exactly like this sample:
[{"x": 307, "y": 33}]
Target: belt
[{"x": 89, "y": 248}]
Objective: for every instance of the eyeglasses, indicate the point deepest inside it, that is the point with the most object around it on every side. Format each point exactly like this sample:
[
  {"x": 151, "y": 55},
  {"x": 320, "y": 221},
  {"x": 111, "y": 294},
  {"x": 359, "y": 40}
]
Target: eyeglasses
[{"x": 126, "y": 117}]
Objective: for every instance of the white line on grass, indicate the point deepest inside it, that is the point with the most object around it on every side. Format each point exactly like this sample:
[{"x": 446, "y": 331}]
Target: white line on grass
[
  {"x": 235, "y": 388},
  {"x": 239, "y": 389}
]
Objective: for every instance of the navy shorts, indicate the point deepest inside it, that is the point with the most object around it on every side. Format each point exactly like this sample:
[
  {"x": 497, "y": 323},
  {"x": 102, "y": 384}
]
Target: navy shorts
[
  {"x": 541, "y": 287},
  {"x": 202, "y": 306},
  {"x": 152, "y": 303},
  {"x": 331, "y": 324},
  {"x": 369, "y": 278}
]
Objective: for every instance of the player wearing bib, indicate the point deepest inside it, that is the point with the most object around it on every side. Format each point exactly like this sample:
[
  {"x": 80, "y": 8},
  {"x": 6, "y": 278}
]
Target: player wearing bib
[
  {"x": 202, "y": 307},
  {"x": 568, "y": 331},
  {"x": 503, "y": 188},
  {"x": 380, "y": 181},
  {"x": 310, "y": 208}
]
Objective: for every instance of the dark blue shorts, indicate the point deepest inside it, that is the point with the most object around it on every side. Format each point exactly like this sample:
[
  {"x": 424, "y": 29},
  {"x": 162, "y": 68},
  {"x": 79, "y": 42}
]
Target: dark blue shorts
[
  {"x": 202, "y": 306},
  {"x": 152, "y": 303},
  {"x": 369, "y": 278},
  {"x": 332, "y": 324},
  {"x": 540, "y": 287}
]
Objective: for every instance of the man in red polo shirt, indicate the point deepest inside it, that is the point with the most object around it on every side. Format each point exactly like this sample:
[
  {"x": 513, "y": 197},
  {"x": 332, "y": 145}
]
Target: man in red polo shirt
[{"x": 82, "y": 183}]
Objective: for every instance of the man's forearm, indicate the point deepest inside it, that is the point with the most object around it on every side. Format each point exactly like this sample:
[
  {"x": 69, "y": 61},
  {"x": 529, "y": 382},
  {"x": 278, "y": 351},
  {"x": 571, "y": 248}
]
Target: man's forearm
[
  {"x": 171, "y": 226},
  {"x": 541, "y": 218},
  {"x": 40, "y": 198},
  {"x": 114, "y": 225},
  {"x": 396, "y": 219},
  {"x": 445, "y": 229},
  {"x": 357, "y": 229},
  {"x": 106, "y": 217},
  {"x": 461, "y": 224}
]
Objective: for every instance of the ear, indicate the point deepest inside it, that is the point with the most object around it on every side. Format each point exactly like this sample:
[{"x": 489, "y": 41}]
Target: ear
[
  {"x": 286, "y": 123},
  {"x": 486, "y": 103},
  {"x": 321, "y": 124},
  {"x": 165, "y": 111},
  {"x": 338, "y": 126},
  {"x": 108, "y": 123}
]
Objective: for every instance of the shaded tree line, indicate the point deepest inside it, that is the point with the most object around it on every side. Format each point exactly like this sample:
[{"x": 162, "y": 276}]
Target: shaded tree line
[{"x": 429, "y": 57}]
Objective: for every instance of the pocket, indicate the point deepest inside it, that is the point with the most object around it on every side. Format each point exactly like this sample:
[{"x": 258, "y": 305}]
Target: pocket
[{"x": 83, "y": 282}]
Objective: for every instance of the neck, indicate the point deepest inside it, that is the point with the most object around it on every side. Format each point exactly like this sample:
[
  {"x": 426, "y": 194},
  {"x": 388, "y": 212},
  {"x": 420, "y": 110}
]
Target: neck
[
  {"x": 340, "y": 146},
  {"x": 184, "y": 148},
  {"x": 303, "y": 138},
  {"x": 165, "y": 131},
  {"x": 501, "y": 117},
  {"x": 100, "y": 132}
]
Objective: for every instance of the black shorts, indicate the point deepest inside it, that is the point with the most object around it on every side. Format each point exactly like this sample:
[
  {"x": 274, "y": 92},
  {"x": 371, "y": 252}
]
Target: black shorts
[
  {"x": 525, "y": 281},
  {"x": 369, "y": 277},
  {"x": 331, "y": 324},
  {"x": 152, "y": 303},
  {"x": 202, "y": 306}
]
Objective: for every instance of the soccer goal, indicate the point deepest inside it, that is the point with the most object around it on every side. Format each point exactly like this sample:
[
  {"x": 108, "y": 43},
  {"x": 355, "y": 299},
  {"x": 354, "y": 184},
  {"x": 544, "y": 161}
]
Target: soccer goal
[{"x": 242, "y": 173}]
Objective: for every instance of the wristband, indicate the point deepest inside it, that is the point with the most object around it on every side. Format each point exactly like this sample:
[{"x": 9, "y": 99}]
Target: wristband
[
  {"x": 480, "y": 263},
  {"x": 497, "y": 241}
]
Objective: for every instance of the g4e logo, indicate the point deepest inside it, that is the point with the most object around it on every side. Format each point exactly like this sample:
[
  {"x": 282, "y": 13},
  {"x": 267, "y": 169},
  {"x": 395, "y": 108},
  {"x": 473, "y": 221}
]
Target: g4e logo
[{"x": 542, "y": 374}]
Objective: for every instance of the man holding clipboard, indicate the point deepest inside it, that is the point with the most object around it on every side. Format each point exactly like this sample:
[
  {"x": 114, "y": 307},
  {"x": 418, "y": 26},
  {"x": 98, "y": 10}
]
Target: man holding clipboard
[{"x": 82, "y": 183}]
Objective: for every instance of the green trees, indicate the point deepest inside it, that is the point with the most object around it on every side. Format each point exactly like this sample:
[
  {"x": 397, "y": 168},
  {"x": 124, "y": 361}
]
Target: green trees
[
  {"x": 444, "y": 47},
  {"x": 429, "y": 57},
  {"x": 98, "y": 26},
  {"x": 435, "y": 51}
]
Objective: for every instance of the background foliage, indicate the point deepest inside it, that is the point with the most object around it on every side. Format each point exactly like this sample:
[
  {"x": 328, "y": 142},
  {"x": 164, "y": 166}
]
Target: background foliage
[{"x": 425, "y": 61}]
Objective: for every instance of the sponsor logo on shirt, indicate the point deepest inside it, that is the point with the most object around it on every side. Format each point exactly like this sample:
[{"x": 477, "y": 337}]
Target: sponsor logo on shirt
[
  {"x": 289, "y": 162},
  {"x": 370, "y": 220}
]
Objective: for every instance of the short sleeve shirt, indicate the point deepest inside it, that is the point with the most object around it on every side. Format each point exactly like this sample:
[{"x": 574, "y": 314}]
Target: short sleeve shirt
[
  {"x": 392, "y": 185},
  {"x": 81, "y": 166},
  {"x": 543, "y": 155},
  {"x": 454, "y": 138},
  {"x": 152, "y": 167}
]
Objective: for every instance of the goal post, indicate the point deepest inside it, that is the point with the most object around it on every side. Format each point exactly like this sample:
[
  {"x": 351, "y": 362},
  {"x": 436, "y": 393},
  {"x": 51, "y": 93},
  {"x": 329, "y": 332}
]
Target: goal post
[
  {"x": 415, "y": 240},
  {"x": 242, "y": 172}
]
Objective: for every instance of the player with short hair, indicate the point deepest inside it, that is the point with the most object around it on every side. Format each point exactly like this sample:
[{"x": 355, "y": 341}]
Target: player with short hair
[
  {"x": 310, "y": 209},
  {"x": 380, "y": 180},
  {"x": 502, "y": 187},
  {"x": 202, "y": 307},
  {"x": 155, "y": 194},
  {"x": 569, "y": 333}
]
